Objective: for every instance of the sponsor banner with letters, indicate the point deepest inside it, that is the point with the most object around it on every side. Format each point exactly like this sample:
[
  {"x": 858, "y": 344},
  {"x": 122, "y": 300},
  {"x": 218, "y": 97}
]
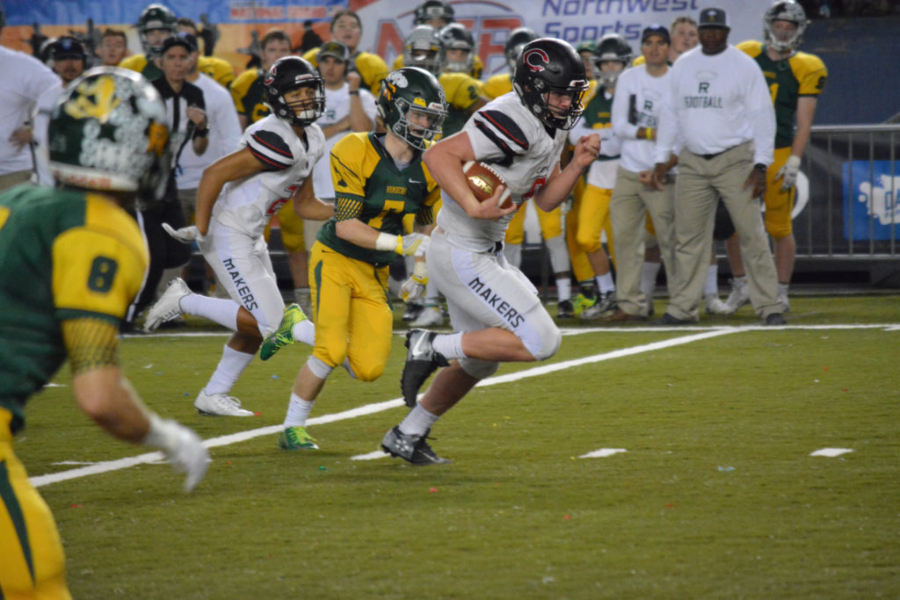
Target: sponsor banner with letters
[{"x": 870, "y": 203}]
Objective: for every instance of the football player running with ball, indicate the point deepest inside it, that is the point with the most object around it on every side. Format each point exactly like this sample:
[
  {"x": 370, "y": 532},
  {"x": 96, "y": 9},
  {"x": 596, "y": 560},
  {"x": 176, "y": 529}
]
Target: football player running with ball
[
  {"x": 493, "y": 306},
  {"x": 378, "y": 178},
  {"x": 73, "y": 261},
  {"x": 237, "y": 197}
]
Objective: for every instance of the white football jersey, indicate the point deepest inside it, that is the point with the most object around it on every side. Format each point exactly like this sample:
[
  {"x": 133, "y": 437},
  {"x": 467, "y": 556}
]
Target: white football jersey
[
  {"x": 249, "y": 204},
  {"x": 509, "y": 137}
]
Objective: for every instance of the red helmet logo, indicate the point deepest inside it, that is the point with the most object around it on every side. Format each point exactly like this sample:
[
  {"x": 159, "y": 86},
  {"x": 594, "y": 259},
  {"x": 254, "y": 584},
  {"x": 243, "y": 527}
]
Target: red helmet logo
[{"x": 535, "y": 59}]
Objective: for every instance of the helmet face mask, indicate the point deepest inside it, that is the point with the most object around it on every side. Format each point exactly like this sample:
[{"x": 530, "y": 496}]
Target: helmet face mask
[
  {"x": 548, "y": 72},
  {"x": 791, "y": 12},
  {"x": 155, "y": 24},
  {"x": 611, "y": 48},
  {"x": 455, "y": 37},
  {"x": 412, "y": 105},
  {"x": 280, "y": 85},
  {"x": 423, "y": 48},
  {"x": 434, "y": 10},
  {"x": 108, "y": 132}
]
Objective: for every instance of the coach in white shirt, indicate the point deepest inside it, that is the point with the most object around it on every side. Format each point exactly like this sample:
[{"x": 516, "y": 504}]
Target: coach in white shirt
[
  {"x": 348, "y": 108},
  {"x": 636, "y": 112},
  {"x": 23, "y": 79},
  {"x": 721, "y": 106}
]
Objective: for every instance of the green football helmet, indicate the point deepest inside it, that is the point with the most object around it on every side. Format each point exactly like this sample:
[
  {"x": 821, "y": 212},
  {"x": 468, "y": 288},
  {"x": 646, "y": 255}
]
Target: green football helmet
[
  {"x": 109, "y": 132},
  {"x": 155, "y": 16},
  {"x": 413, "y": 91}
]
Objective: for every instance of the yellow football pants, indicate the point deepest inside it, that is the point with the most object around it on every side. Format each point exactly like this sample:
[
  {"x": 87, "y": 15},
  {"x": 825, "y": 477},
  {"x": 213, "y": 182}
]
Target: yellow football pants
[
  {"x": 352, "y": 311},
  {"x": 588, "y": 217},
  {"x": 550, "y": 222},
  {"x": 291, "y": 228},
  {"x": 779, "y": 204},
  {"x": 32, "y": 564}
]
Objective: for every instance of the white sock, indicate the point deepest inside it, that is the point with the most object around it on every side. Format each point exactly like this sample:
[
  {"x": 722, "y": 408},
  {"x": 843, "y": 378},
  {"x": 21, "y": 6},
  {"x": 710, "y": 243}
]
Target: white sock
[
  {"x": 450, "y": 345},
  {"x": 712, "y": 281},
  {"x": 222, "y": 311},
  {"x": 605, "y": 283},
  {"x": 305, "y": 331},
  {"x": 559, "y": 254},
  {"x": 648, "y": 277},
  {"x": 783, "y": 288},
  {"x": 564, "y": 288},
  {"x": 298, "y": 411},
  {"x": 227, "y": 372},
  {"x": 418, "y": 421}
]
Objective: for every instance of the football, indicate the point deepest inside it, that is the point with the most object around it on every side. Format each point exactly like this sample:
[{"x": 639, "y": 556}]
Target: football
[{"x": 483, "y": 180}]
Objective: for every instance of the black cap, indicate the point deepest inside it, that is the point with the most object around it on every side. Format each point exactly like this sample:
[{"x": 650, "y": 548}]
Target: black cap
[
  {"x": 336, "y": 50},
  {"x": 656, "y": 30},
  {"x": 183, "y": 39},
  {"x": 67, "y": 47},
  {"x": 713, "y": 17}
]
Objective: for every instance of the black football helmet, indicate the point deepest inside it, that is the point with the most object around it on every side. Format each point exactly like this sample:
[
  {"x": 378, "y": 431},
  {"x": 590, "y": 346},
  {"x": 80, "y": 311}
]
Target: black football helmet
[
  {"x": 514, "y": 43},
  {"x": 433, "y": 9},
  {"x": 290, "y": 73},
  {"x": 456, "y": 37},
  {"x": 551, "y": 65},
  {"x": 612, "y": 48}
]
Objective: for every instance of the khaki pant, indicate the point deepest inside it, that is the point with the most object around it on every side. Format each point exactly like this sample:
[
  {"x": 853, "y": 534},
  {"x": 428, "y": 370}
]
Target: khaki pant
[
  {"x": 9, "y": 180},
  {"x": 630, "y": 203},
  {"x": 700, "y": 181}
]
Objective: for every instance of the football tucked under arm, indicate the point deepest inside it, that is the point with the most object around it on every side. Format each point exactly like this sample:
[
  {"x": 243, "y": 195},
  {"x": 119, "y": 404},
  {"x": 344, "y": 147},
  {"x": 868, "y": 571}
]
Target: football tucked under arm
[{"x": 483, "y": 181}]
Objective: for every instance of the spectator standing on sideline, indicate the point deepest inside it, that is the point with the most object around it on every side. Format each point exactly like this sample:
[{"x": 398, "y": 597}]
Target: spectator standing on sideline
[
  {"x": 495, "y": 310},
  {"x": 83, "y": 267},
  {"x": 113, "y": 47},
  {"x": 378, "y": 178},
  {"x": 237, "y": 197},
  {"x": 796, "y": 80},
  {"x": 186, "y": 114},
  {"x": 67, "y": 58},
  {"x": 310, "y": 38},
  {"x": 721, "y": 105},
  {"x": 23, "y": 79},
  {"x": 590, "y": 216},
  {"x": 347, "y": 29}
]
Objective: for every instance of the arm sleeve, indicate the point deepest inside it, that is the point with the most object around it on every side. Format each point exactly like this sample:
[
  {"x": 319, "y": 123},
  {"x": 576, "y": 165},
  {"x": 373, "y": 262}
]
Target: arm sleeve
[
  {"x": 227, "y": 125},
  {"x": 368, "y": 104},
  {"x": 669, "y": 125},
  {"x": 761, "y": 114},
  {"x": 40, "y": 80},
  {"x": 621, "y": 107}
]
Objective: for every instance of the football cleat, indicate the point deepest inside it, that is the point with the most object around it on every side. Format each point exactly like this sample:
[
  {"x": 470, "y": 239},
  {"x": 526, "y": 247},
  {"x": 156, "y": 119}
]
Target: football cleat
[
  {"x": 565, "y": 310},
  {"x": 775, "y": 319},
  {"x": 296, "y": 438},
  {"x": 739, "y": 296},
  {"x": 430, "y": 316},
  {"x": 411, "y": 448},
  {"x": 168, "y": 306},
  {"x": 606, "y": 303},
  {"x": 220, "y": 405},
  {"x": 413, "y": 309},
  {"x": 668, "y": 320},
  {"x": 581, "y": 301},
  {"x": 421, "y": 361},
  {"x": 283, "y": 336},
  {"x": 714, "y": 306}
]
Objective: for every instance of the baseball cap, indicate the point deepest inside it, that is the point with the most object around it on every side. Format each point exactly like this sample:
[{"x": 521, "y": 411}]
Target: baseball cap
[
  {"x": 656, "y": 30},
  {"x": 713, "y": 17},
  {"x": 186, "y": 40},
  {"x": 67, "y": 47},
  {"x": 336, "y": 50}
]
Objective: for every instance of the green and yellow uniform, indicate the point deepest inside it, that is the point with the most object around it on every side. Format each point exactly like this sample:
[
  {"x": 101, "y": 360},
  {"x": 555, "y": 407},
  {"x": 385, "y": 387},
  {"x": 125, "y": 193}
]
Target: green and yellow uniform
[
  {"x": 800, "y": 74},
  {"x": 371, "y": 68},
  {"x": 64, "y": 282},
  {"x": 220, "y": 70},
  {"x": 497, "y": 85},
  {"x": 249, "y": 95},
  {"x": 475, "y": 73},
  {"x": 351, "y": 305},
  {"x": 462, "y": 93}
]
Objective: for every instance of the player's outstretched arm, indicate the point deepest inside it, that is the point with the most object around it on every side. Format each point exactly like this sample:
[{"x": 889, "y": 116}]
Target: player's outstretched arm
[{"x": 561, "y": 182}]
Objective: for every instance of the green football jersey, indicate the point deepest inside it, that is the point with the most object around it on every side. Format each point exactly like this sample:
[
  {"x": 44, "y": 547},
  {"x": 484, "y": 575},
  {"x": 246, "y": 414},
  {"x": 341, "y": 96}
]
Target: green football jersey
[
  {"x": 66, "y": 255},
  {"x": 364, "y": 172},
  {"x": 598, "y": 115}
]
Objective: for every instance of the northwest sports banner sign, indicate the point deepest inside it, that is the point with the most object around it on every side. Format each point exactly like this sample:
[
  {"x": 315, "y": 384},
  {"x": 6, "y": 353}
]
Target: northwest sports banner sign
[{"x": 385, "y": 22}]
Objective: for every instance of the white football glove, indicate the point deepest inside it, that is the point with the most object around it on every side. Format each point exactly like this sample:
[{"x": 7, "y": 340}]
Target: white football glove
[
  {"x": 185, "y": 235},
  {"x": 182, "y": 447},
  {"x": 414, "y": 288},
  {"x": 412, "y": 244},
  {"x": 789, "y": 172}
]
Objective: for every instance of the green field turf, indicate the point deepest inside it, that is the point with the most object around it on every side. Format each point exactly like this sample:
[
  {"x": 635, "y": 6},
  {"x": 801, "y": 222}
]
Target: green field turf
[{"x": 716, "y": 496}]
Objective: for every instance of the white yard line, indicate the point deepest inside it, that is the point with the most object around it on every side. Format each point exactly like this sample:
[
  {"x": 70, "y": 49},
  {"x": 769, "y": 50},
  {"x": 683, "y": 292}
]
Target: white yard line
[{"x": 707, "y": 333}]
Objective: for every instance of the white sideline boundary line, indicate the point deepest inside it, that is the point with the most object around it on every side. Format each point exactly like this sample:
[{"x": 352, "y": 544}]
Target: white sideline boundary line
[{"x": 234, "y": 438}]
